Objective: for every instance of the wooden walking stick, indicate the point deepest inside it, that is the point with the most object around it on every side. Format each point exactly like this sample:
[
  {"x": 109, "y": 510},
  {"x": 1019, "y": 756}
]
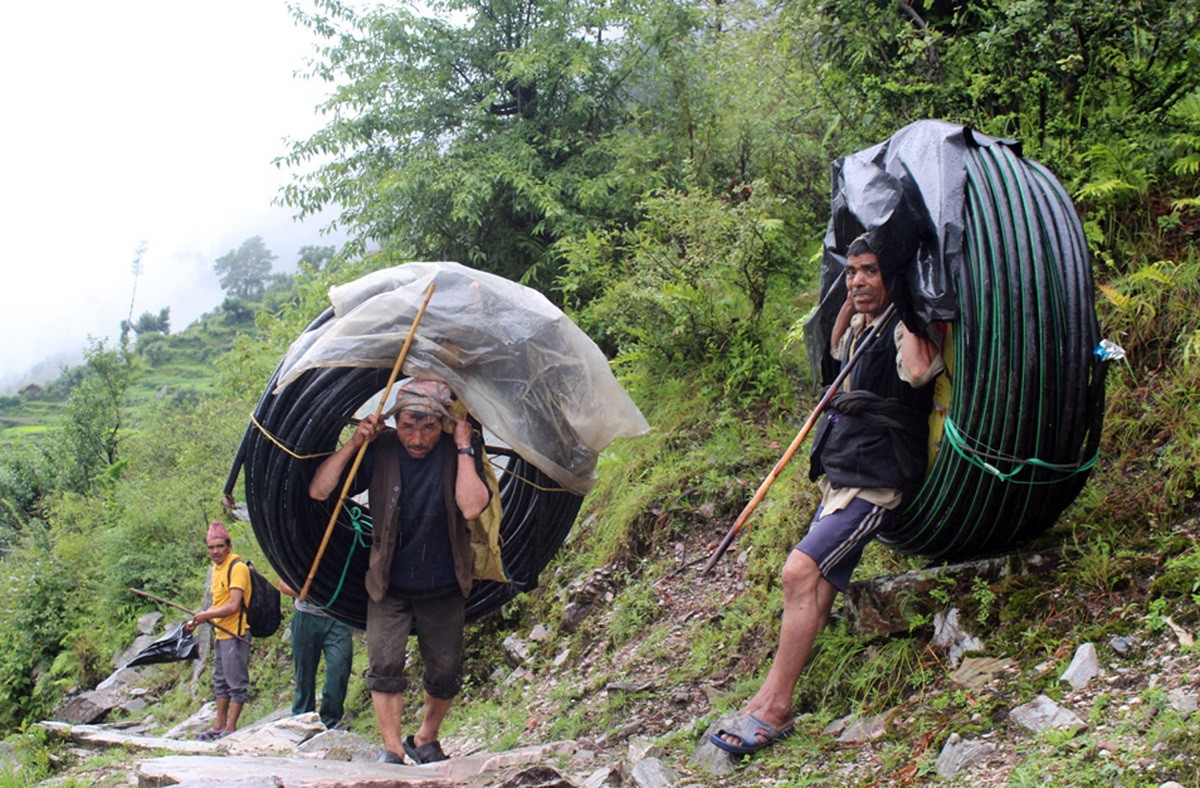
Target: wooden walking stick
[
  {"x": 868, "y": 338},
  {"x": 362, "y": 450},
  {"x": 191, "y": 613}
]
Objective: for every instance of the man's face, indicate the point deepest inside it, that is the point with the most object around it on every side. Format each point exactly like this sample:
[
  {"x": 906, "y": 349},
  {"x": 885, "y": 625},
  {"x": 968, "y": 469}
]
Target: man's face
[
  {"x": 418, "y": 432},
  {"x": 864, "y": 281},
  {"x": 218, "y": 549}
]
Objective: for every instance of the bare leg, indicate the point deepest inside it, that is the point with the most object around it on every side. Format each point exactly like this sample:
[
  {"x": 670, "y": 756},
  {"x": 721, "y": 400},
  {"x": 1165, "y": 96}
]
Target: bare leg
[
  {"x": 807, "y": 600},
  {"x": 388, "y": 708},
  {"x": 235, "y": 711},
  {"x": 222, "y": 710},
  {"x": 435, "y": 712}
]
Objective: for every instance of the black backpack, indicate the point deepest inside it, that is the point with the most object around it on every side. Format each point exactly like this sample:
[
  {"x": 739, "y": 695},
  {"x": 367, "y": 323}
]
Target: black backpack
[{"x": 263, "y": 614}]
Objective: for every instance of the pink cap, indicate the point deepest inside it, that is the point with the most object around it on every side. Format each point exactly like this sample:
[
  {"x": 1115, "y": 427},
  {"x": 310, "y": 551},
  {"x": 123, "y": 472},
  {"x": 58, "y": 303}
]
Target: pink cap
[{"x": 216, "y": 530}]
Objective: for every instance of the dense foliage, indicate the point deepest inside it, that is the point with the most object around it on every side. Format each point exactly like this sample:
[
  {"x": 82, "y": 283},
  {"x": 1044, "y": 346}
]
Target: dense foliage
[{"x": 661, "y": 170}]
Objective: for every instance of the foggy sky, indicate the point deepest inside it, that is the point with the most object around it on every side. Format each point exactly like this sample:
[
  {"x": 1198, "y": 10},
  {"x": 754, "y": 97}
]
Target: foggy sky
[{"x": 140, "y": 121}]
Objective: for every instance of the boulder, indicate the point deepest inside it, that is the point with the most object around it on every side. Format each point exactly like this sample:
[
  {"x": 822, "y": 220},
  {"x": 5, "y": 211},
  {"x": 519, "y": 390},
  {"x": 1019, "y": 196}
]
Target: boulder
[
  {"x": 952, "y": 638},
  {"x": 274, "y": 737},
  {"x": 1042, "y": 713},
  {"x": 338, "y": 745},
  {"x": 147, "y": 623},
  {"x": 959, "y": 753},
  {"x": 1085, "y": 666}
]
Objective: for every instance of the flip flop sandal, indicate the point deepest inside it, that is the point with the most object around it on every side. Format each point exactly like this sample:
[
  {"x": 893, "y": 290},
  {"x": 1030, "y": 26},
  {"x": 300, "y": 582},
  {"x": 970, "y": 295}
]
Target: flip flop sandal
[
  {"x": 753, "y": 733},
  {"x": 387, "y": 756},
  {"x": 430, "y": 752},
  {"x": 212, "y": 735}
]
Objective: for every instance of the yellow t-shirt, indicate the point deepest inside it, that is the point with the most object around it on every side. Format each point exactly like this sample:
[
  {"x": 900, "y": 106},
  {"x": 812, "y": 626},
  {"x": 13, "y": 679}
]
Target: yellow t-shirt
[{"x": 222, "y": 581}]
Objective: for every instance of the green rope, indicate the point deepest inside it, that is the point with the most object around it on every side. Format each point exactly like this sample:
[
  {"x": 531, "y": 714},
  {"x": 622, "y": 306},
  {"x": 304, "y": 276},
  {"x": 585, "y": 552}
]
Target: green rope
[
  {"x": 361, "y": 523},
  {"x": 958, "y": 442}
]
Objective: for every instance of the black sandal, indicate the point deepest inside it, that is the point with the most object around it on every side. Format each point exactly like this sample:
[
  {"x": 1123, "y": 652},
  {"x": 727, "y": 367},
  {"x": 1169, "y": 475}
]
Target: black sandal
[{"x": 429, "y": 752}]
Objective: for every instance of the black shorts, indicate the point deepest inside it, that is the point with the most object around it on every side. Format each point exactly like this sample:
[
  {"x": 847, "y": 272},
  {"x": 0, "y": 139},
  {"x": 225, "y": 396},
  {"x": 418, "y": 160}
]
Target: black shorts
[{"x": 835, "y": 541}]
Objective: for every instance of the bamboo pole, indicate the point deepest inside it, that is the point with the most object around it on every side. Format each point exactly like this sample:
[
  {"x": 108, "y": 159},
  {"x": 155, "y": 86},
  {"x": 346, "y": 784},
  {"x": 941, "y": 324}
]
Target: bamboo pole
[
  {"x": 191, "y": 613},
  {"x": 799, "y": 439},
  {"x": 362, "y": 450}
]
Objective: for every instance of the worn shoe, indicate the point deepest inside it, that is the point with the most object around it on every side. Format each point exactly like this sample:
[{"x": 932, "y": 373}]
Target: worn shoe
[
  {"x": 212, "y": 735},
  {"x": 752, "y": 733},
  {"x": 387, "y": 756},
  {"x": 430, "y": 752}
]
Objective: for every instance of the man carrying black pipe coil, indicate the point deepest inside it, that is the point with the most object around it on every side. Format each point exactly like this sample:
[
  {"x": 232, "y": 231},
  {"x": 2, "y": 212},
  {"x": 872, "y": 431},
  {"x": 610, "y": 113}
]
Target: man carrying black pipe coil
[
  {"x": 424, "y": 485},
  {"x": 870, "y": 449}
]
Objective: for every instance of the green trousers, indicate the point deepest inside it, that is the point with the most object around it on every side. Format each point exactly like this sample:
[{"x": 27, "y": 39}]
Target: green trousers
[{"x": 313, "y": 636}]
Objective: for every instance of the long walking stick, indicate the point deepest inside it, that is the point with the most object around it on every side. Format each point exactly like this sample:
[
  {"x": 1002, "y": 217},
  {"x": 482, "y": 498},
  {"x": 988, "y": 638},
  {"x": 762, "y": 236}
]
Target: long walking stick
[
  {"x": 191, "y": 613},
  {"x": 362, "y": 450},
  {"x": 799, "y": 439}
]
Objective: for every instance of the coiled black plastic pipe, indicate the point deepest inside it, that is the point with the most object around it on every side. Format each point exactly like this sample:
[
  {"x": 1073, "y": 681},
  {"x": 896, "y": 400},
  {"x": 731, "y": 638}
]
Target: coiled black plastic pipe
[
  {"x": 307, "y": 417},
  {"x": 1027, "y": 400}
]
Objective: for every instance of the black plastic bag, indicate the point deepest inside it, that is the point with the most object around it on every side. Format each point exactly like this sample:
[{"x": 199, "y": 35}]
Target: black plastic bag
[
  {"x": 175, "y": 646},
  {"x": 907, "y": 192}
]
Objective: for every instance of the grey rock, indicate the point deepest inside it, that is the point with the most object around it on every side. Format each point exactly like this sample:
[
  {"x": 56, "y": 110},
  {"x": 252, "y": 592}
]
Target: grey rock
[
  {"x": 1121, "y": 643},
  {"x": 202, "y": 720},
  {"x": 1085, "y": 666},
  {"x": 123, "y": 678},
  {"x": 275, "y": 737},
  {"x": 89, "y": 706},
  {"x": 1042, "y": 713},
  {"x": 604, "y": 777},
  {"x": 865, "y": 729},
  {"x": 958, "y": 753},
  {"x": 338, "y": 745},
  {"x": 950, "y": 636},
  {"x": 9, "y": 762},
  {"x": 512, "y": 768},
  {"x": 233, "y": 782},
  {"x": 653, "y": 773},
  {"x": 516, "y": 650},
  {"x": 1183, "y": 702},
  {"x": 132, "y": 706},
  {"x": 105, "y": 736},
  {"x": 148, "y": 623},
  {"x": 641, "y": 747},
  {"x": 539, "y": 633},
  {"x": 976, "y": 672},
  {"x": 707, "y": 757},
  {"x": 140, "y": 643},
  {"x": 573, "y": 615}
]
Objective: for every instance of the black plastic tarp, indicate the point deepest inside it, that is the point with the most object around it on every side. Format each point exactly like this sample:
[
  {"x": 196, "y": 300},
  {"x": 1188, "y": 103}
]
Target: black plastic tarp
[
  {"x": 908, "y": 193},
  {"x": 175, "y": 646}
]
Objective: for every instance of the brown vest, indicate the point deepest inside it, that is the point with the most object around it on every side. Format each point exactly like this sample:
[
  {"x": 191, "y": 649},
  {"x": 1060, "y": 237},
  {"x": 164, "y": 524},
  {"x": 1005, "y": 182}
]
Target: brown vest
[{"x": 384, "y": 492}]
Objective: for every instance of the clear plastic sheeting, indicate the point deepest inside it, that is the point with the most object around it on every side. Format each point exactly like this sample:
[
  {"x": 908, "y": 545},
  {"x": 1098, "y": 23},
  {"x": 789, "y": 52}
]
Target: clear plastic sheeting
[{"x": 530, "y": 375}]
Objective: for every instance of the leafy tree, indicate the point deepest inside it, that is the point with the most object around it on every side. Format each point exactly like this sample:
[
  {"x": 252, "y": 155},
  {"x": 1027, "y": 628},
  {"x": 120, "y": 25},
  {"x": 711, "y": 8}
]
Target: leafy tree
[
  {"x": 478, "y": 140},
  {"x": 90, "y": 433},
  {"x": 149, "y": 323},
  {"x": 315, "y": 257},
  {"x": 243, "y": 272}
]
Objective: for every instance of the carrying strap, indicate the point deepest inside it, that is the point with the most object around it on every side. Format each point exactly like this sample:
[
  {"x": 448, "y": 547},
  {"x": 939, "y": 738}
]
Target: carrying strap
[{"x": 228, "y": 585}]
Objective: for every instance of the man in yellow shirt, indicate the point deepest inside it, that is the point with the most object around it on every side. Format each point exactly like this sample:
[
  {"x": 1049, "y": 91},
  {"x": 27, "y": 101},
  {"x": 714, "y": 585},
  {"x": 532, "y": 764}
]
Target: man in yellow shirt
[{"x": 231, "y": 655}]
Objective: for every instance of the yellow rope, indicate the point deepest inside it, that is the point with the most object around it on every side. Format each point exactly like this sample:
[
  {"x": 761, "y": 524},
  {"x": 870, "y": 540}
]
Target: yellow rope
[
  {"x": 520, "y": 478},
  {"x": 495, "y": 467},
  {"x": 285, "y": 449}
]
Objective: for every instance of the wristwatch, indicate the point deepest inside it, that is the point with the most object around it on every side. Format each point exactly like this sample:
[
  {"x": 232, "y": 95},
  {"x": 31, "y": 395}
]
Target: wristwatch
[{"x": 469, "y": 450}]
